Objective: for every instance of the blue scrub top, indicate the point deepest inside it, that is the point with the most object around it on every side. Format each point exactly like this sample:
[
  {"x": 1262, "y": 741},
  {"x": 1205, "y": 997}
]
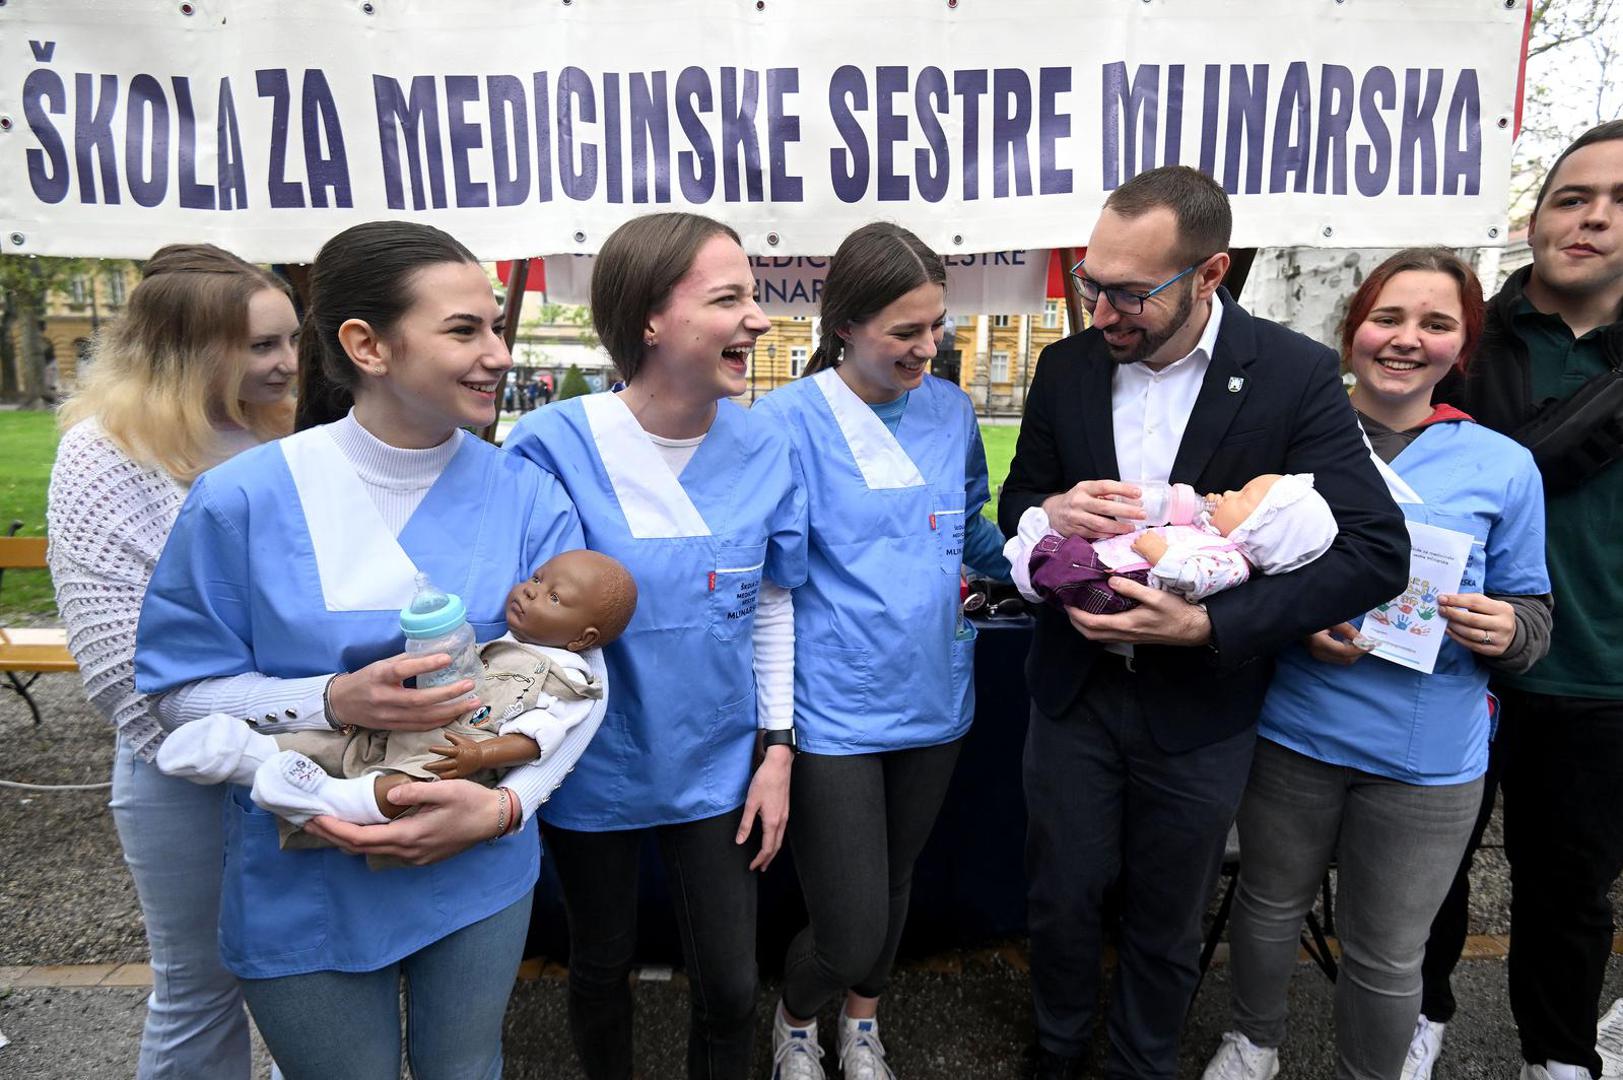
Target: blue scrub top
[
  {"x": 1390, "y": 720},
  {"x": 678, "y": 734},
  {"x": 238, "y": 590},
  {"x": 883, "y": 661}
]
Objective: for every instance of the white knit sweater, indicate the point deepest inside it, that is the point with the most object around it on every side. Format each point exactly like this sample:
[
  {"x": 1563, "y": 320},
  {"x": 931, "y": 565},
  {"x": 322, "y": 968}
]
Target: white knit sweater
[{"x": 107, "y": 518}]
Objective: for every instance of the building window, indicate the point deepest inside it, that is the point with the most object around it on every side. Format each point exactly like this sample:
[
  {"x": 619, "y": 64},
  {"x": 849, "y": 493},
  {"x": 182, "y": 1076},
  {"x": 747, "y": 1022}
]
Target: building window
[
  {"x": 1050, "y": 314},
  {"x": 79, "y": 291},
  {"x": 115, "y": 289},
  {"x": 797, "y": 360},
  {"x": 1000, "y": 320},
  {"x": 1000, "y": 367}
]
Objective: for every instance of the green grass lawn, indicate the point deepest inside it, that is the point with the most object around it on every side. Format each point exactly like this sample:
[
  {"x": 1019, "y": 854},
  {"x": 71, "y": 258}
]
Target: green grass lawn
[
  {"x": 28, "y": 445},
  {"x": 27, "y": 448},
  {"x": 999, "y": 452}
]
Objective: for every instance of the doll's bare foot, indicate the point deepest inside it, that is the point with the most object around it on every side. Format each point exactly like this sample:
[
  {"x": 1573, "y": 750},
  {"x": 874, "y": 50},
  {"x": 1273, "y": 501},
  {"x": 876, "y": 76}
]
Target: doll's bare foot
[
  {"x": 296, "y": 789},
  {"x": 217, "y": 749}
]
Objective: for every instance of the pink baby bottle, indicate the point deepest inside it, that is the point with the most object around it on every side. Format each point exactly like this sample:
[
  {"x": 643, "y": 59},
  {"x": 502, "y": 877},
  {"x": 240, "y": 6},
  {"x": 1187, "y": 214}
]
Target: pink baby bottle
[{"x": 1168, "y": 504}]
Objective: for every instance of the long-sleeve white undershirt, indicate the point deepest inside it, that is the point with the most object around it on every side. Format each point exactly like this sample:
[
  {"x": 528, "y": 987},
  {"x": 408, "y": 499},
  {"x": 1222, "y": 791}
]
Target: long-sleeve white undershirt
[{"x": 397, "y": 480}]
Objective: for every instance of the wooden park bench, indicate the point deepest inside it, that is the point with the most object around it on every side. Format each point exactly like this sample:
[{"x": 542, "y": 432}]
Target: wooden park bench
[{"x": 27, "y": 652}]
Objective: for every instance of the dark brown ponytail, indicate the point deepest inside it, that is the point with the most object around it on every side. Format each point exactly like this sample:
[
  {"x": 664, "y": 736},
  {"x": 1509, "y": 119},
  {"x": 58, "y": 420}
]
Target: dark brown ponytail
[
  {"x": 874, "y": 266},
  {"x": 362, "y": 273}
]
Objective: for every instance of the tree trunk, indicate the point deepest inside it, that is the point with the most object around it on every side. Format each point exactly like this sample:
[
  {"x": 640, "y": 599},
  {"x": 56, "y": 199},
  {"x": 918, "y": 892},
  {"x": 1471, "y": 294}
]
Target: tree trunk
[
  {"x": 32, "y": 367},
  {"x": 8, "y": 352}
]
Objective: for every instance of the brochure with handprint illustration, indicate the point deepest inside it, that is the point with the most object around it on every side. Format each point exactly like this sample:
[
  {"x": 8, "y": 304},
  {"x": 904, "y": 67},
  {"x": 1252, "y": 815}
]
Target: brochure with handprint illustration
[{"x": 1409, "y": 629}]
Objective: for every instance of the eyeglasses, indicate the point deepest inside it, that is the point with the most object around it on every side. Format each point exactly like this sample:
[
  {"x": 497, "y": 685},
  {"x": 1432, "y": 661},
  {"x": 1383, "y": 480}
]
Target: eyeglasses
[{"x": 1123, "y": 300}]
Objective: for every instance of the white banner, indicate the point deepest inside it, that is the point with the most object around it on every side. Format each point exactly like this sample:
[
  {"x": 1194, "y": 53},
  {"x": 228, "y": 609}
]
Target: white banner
[
  {"x": 535, "y": 128},
  {"x": 1007, "y": 282}
]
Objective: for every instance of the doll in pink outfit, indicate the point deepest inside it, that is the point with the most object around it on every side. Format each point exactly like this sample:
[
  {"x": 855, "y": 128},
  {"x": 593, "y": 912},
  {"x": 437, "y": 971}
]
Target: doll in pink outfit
[{"x": 1273, "y": 524}]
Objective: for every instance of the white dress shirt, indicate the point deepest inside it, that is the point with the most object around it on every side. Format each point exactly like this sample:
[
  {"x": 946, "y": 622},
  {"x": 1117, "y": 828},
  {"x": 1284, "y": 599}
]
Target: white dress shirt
[{"x": 1150, "y": 409}]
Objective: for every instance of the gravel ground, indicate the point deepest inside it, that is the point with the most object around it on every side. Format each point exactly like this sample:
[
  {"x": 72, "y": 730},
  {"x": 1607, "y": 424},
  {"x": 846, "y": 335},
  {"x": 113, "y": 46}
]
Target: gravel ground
[
  {"x": 65, "y": 898},
  {"x": 972, "y": 1024}
]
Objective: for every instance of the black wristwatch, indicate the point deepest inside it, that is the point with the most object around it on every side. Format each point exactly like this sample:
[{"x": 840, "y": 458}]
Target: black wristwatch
[{"x": 780, "y": 737}]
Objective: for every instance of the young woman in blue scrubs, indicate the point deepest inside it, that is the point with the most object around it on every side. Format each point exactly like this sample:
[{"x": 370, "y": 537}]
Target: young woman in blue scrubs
[
  {"x": 1360, "y": 759},
  {"x": 699, "y": 498},
  {"x": 884, "y": 690},
  {"x": 277, "y": 599}
]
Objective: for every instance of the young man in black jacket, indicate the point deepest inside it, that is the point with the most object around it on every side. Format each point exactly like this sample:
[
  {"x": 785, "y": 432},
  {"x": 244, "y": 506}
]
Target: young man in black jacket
[
  {"x": 1555, "y": 326},
  {"x": 1143, "y": 722}
]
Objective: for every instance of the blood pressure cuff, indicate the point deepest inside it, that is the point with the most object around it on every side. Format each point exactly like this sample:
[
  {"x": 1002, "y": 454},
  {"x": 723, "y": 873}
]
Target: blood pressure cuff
[{"x": 1575, "y": 438}]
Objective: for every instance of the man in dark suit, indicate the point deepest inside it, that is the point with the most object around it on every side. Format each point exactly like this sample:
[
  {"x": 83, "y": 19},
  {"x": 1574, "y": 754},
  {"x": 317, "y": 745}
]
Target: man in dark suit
[{"x": 1143, "y": 722}]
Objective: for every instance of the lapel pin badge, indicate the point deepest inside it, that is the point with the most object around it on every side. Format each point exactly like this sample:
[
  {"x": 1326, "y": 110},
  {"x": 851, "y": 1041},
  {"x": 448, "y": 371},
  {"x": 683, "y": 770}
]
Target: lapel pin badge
[{"x": 1235, "y": 383}]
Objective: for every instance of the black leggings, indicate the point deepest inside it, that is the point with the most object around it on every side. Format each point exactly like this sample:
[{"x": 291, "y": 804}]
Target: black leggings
[
  {"x": 857, "y": 825},
  {"x": 714, "y": 894}
]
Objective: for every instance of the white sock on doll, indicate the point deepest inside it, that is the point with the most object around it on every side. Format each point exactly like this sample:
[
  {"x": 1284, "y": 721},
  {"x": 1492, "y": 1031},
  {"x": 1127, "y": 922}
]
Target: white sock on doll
[
  {"x": 296, "y": 789},
  {"x": 219, "y": 748}
]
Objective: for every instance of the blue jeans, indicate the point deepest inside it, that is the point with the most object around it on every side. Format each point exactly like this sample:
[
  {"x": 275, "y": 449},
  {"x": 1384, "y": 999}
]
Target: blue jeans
[
  {"x": 340, "y": 1023},
  {"x": 174, "y": 844}
]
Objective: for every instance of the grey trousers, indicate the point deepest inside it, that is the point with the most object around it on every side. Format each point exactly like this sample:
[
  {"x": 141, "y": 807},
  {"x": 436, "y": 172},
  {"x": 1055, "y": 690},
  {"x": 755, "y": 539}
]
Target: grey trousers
[{"x": 1396, "y": 847}]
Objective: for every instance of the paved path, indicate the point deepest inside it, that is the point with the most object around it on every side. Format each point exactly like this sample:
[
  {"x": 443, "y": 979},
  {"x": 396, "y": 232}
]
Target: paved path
[{"x": 72, "y": 957}]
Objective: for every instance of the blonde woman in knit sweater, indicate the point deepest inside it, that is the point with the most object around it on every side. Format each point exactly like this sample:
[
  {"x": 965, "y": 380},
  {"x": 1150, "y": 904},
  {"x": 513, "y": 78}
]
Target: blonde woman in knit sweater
[{"x": 198, "y": 368}]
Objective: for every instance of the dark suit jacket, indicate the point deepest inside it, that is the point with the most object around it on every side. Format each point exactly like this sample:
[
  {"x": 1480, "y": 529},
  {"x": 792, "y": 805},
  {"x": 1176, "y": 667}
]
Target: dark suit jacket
[{"x": 1290, "y": 415}]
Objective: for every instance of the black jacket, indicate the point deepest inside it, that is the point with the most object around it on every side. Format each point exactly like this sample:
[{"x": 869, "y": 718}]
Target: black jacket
[
  {"x": 1289, "y": 415},
  {"x": 1497, "y": 389}
]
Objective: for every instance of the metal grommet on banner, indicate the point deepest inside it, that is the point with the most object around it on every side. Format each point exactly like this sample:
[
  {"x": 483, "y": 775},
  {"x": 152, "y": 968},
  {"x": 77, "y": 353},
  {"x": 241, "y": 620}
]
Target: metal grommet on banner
[
  {"x": 952, "y": 3},
  {"x": 1329, "y": 232},
  {"x": 368, "y": 9},
  {"x": 187, "y": 9},
  {"x": 5, "y": 123},
  {"x": 760, "y": 5},
  {"x": 772, "y": 239},
  {"x": 958, "y": 238},
  {"x": 17, "y": 239},
  {"x": 580, "y": 237},
  {"x": 1493, "y": 232},
  {"x": 1503, "y": 121}
]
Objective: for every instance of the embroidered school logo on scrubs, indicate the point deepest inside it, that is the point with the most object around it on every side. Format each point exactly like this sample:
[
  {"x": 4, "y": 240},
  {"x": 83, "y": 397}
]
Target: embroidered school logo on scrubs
[{"x": 738, "y": 588}]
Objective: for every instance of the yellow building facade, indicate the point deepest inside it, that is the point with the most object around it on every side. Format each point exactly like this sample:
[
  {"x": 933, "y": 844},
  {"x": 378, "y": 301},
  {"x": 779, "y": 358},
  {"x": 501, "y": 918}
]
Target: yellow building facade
[
  {"x": 995, "y": 355},
  {"x": 73, "y": 314}
]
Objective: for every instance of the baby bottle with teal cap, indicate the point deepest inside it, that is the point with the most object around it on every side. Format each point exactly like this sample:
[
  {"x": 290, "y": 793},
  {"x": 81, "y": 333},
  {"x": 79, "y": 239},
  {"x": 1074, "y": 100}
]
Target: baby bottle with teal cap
[{"x": 437, "y": 622}]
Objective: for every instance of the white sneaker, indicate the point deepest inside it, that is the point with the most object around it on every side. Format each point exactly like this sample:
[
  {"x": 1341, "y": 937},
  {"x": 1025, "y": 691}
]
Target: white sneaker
[
  {"x": 1609, "y": 1042},
  {"x": 1555, "y": 1070},
  {"x": 1238, "y": 1058},
  {"x": 1424, "y": 1048},
  {"x": 796, "y": 1054},
  {"x": 862, "y": 1055}
]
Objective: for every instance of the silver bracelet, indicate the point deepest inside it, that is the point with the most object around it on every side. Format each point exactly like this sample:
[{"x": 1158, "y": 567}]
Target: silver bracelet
[
  {"x": 326, "y": 705},
  {"x": 503, "y": 809}
]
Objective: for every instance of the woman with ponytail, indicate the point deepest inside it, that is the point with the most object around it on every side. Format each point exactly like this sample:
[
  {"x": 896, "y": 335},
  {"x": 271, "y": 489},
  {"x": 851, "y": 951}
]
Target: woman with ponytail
[
  {"x": 895, "y": 478},
  {"x": 196, "y": 368},
  {"x": 278, "y": 601}
]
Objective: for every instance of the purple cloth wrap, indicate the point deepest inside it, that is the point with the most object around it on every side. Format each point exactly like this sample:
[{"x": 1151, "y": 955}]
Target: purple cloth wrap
[{"x": 1066, "y": 572}]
